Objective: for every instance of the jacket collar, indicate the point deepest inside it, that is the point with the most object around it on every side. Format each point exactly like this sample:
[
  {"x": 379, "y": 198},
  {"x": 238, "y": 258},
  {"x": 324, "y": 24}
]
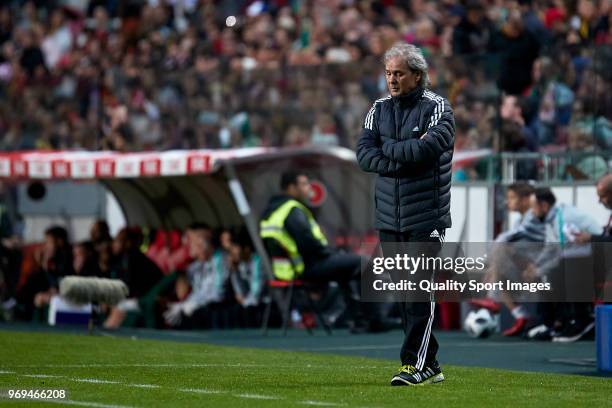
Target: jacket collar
[{"x": 410, "y": 98}]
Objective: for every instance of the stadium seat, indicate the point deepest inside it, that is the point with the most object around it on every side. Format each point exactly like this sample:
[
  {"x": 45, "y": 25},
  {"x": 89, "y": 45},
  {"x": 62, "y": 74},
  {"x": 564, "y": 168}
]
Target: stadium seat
[{"x": 285, "y": 300}]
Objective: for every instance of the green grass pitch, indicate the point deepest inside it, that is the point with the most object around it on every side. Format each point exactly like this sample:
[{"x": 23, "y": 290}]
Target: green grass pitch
[{"x": 100, "y": 371}]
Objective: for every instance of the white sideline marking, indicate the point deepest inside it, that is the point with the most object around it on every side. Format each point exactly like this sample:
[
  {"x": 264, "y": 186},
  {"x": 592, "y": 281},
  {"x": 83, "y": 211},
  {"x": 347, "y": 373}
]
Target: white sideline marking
[
  {"x": 144, "y": 385},
  {"x": 41, "y": 376},
  {"x": 91, "y": 380},
  {"x": 94, "y": 381},
  {"x": 203, "y": 365},
  {"x": 221, "y": 365},
  {"x": 200, "y": 391},
  {"x": 256, "y": 396},
  {"x": 84, "y": 403},
  {"x": 321, "y": 403},
  {"x": 190, "y": 390}
]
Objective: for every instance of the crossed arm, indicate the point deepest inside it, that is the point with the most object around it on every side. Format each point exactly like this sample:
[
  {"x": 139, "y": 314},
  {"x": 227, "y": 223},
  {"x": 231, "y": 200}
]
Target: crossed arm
[{"x": 388, "y": 157}]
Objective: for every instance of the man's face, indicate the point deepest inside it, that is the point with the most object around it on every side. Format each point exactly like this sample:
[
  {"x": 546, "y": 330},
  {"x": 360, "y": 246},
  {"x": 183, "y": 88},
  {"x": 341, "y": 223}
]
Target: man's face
[
  {"x": 303, "y": 189},
  {"x": 512, "y": 201},
  {"x": 515, "y": 202},
  {"x": 605, "y": 195},
  {"x": 474, "y": 15},
  {"x": 234, "y": 252},
  {"x": 198, "y": 245},
  {"x": 539, "y": 209},
  {"x": 400, "y": 79},
  {"x": 118, "y": 245},
  {"x": 509, "y": 108},
  {"x": 50, "y": 245},
  {"x": 79, "y": 256}
]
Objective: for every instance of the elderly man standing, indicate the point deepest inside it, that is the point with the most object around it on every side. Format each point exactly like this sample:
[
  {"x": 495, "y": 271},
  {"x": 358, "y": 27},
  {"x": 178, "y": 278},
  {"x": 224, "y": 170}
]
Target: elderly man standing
[{"x": 407, "y": 139}]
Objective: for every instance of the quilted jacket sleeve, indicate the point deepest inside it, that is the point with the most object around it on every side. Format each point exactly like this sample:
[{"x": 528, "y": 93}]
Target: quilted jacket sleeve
[
  {"x": 438, "y": 139},
  {"x": 369, "y": 152}
]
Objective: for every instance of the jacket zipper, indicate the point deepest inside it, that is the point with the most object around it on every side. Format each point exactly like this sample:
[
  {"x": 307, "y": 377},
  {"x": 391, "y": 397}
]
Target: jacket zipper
[{"x": 398, "y": 125}]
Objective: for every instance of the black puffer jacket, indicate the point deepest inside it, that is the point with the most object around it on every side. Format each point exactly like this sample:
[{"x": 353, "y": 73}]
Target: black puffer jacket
[{"x": 408, "y": 141}]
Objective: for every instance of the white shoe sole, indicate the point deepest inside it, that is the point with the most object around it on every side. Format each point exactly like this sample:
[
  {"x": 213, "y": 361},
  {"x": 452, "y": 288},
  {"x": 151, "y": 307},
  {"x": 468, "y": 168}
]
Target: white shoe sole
[
  {"x": 397, "y": 380},
  {"x": 571, "y": 339}
]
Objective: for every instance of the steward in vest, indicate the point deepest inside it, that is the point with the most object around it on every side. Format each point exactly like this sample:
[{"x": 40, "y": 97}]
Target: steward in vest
[{"x": 298, "y": 248}]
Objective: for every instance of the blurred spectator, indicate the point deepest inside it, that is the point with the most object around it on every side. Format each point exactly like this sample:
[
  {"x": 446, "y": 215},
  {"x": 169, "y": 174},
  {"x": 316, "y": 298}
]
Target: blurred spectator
[
  {"x": 563, "y": 224},
  {"x": 246, "y": 275},
  {"x": 473, "y": 33},
  {"x": 99, "y": 232},
  {"x": 247, "y": 280},
  {"x": 133, "y": 267},
  {"x": 208, "y": 278},
  {"x": 514, "y": 140},
  {"x": 85, "y": 259},
  {"x": 514, "y": 249},
  {"x": 512, "y": 110},
  {"x": 551, "y": 99},
  {"x": 517, "y": 49},
  {"x": 54, "y": 261},
  {"x": 566, "y": 321},
  {"x": 587, "y": 164},
  {"x": 131, "y": 76},
  {"x": 172, "y": 253}
]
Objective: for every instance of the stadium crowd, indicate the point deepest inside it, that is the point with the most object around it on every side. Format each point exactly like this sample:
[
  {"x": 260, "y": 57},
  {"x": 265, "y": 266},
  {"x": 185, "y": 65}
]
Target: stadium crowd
[{"x": 132, "y": 75}]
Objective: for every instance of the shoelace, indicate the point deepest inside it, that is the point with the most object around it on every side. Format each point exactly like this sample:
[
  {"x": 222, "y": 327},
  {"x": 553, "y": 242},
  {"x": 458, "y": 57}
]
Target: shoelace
[{"x": 410, "y": 369}]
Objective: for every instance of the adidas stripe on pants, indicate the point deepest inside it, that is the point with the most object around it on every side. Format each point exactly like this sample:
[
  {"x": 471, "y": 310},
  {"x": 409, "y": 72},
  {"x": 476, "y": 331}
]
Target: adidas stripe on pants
[{"x": 420, "y": 345}]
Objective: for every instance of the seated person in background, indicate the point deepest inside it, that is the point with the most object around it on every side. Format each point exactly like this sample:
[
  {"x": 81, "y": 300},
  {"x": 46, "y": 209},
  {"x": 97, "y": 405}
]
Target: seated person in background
[
  {"x": 246, "y": 277},
  {"x": 588, "y": 164},
  {"x": 208, "y": 277},
  {"x": 175, "y": 285},
  {"x": 563, "y": 321},
  {"x": 299, "y": 249},
  {"x": 223, "y": 239},
  {"x": 104, "y": 254},
  {"x": 513, "y": 248},
  {"x": 54, "y": 261},
  {"x": 138, "y": 272},
  {"x": 85, "y": 259},
  {"x": 99, "y": 232},
  {"x": 10, "y": 271}
]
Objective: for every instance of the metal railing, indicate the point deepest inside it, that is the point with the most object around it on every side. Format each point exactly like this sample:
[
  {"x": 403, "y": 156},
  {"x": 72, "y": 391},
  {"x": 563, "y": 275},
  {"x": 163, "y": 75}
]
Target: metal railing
[{"x": 562, "y": 167}]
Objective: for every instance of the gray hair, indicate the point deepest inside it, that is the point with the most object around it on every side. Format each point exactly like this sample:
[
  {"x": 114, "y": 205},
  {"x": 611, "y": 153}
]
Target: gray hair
[{"x": 412, "y": 56}]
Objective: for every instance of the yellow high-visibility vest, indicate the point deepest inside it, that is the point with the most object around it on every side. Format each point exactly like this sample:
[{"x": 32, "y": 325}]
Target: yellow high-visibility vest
[{"x": 273, "y": 227}]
